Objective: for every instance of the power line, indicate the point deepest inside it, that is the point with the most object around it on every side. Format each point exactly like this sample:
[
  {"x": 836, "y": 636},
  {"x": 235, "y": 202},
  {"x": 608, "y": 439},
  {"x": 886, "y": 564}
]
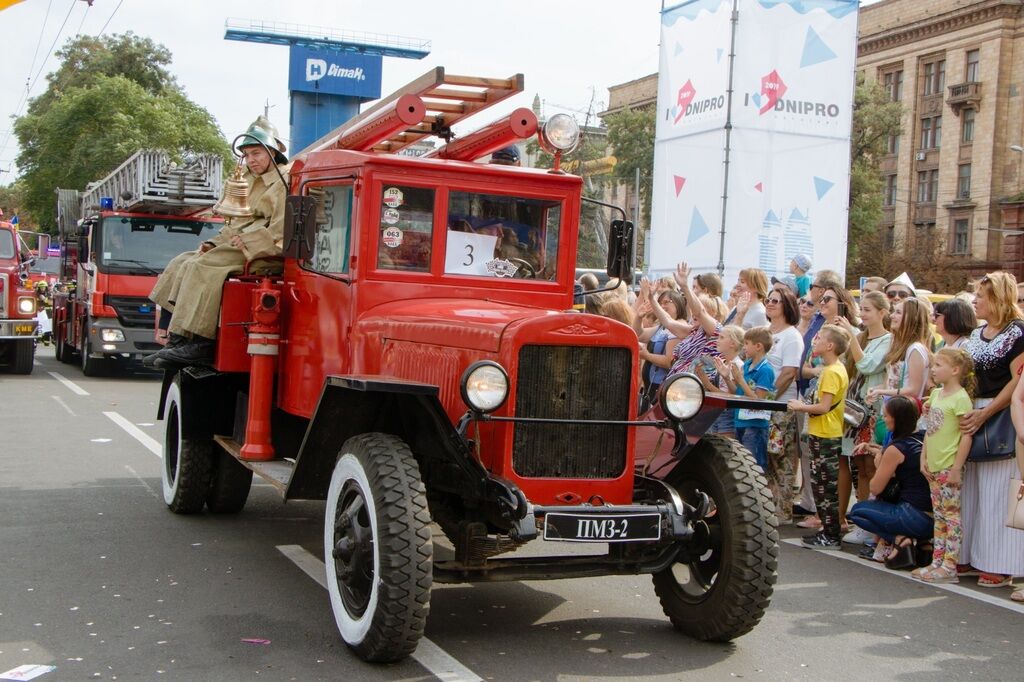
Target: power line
[
  {"x": 109, "y": 18},
  {"x": 39, "y": 41},
  {"x": 88, "y": 6}
]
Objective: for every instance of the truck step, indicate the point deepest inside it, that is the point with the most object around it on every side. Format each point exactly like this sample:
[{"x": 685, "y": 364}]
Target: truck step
[{"x": 276, "y": 472}]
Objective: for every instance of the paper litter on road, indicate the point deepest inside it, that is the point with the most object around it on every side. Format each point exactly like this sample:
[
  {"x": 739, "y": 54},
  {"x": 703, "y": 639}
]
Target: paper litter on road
[
  {"x": 27, "y": 672},
  {"x": 100, "y": 440},
  {"x": 255, "y": 640}
]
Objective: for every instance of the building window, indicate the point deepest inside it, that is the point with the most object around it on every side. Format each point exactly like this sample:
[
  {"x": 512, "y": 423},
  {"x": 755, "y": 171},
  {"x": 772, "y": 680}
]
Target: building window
[
  {"x": 889, "y": 198},
  {"x": 961, "y": 236},
  {"x": 934, "y": 77},
  {"x": 894, "y": 85},
  {"x": 892, "y": 144},
  {"x": 967, "y": 126},
  {"x": 931, "y": 132},
  {"x": 973, "y": 66},
  {"x": 927, "y": 186},
  {"x": 963, "y": 185}
]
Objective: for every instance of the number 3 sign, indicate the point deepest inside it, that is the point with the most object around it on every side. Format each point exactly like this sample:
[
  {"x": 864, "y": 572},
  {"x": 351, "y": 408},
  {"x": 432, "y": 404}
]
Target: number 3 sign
[{"x": 467, "y": 253}]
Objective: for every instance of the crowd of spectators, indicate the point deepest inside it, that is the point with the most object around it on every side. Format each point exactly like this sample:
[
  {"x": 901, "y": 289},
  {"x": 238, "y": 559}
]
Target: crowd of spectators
[{"x": 892, "y": 404}]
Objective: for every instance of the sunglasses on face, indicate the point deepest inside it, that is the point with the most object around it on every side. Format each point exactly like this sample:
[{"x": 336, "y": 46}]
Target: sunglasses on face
[
  {"x": 804, "y": 301},
  {"x": 828, "y": 299},
  {"x": 772, "y": 301},
  {"x": 900, "y": 294}
]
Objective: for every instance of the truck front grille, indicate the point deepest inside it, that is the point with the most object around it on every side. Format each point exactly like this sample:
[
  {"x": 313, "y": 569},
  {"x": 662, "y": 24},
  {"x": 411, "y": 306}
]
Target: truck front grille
[
  {"x": 133, "y": 311},
  {"x": 571, "y": 382}
]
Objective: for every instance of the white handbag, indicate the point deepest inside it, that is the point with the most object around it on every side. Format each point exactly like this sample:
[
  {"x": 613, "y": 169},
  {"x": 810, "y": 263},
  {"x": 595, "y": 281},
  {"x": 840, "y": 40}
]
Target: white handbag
[{"x": 1015, "y": 511}]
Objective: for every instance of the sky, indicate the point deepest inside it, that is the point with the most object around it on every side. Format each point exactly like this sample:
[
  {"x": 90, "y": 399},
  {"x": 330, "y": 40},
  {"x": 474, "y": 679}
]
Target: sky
[{"x": 570, "y": 51}]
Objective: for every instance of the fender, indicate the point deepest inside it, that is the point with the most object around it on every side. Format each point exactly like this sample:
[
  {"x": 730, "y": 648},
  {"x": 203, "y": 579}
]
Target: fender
[
  {"x": 208, "y": 401},
  {"x": 351, "y": 405}
]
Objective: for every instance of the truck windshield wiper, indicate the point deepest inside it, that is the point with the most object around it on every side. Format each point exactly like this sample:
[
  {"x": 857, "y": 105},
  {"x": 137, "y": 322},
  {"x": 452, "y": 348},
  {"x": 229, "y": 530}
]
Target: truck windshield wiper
[{"x": 112, "y": 261}]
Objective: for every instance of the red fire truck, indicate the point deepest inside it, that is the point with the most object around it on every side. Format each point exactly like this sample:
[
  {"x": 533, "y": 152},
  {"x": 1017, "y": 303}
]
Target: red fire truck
[
  {"x": 17, "y": 300},
  {"x": 418, "y": 362},
  {"x": 116, "y": 238}
]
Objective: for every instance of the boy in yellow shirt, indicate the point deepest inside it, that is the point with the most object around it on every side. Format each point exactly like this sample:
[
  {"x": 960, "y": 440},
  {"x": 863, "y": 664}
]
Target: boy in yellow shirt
[{"x": 825, "y": 433}]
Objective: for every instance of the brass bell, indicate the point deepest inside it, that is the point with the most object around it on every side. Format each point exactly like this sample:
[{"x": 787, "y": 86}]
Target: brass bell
[{"x": 235, "y": 202}]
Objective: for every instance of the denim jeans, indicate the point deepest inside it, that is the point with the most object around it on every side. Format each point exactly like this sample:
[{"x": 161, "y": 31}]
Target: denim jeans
[
  {"x": 889, "y": 520},
  {"x": 755, "y": 439}
]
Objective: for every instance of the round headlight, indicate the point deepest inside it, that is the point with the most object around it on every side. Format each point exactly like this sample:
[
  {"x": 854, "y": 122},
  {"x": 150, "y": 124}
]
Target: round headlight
[
  {"x": 484, "y": 386},
  {"x": 561, "y": 133},
  {"x": 26, "y": 305},
  {"x": 682, "y": 396}
]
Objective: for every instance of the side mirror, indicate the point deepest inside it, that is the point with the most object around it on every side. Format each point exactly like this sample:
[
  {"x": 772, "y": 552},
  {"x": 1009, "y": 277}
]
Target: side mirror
[
  {"x": 83, "y": 230},
  {"x": 299, "y": 227},
  {"x": 43, "y": 245},
  {"x": 620, "y": 251}
]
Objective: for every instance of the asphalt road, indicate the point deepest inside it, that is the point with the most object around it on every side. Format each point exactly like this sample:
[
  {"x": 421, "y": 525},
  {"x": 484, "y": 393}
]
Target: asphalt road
[{"x": 98, "y": 579}]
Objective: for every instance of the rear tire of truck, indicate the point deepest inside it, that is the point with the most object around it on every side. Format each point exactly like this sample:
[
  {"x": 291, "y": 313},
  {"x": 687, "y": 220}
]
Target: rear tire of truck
[
  {"x": 23, "y": 355},
  {"x": 723, "y": 593},
  {"x": 91, "y": 367},
  {"x": 377, "y": 547},
  {"x": 230, "y": 484},
  {"x": 187, "y": 470}
]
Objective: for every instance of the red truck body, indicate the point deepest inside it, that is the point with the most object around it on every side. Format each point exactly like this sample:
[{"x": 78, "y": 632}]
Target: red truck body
[{"x": 17, "y": 303}]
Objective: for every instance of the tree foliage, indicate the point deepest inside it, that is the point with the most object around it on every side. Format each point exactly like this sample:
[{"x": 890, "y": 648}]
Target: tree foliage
[
  {"x": 875, "y": 118},
  {"x": 109, "y": 98},
  {"x": 631, "y": 136}
]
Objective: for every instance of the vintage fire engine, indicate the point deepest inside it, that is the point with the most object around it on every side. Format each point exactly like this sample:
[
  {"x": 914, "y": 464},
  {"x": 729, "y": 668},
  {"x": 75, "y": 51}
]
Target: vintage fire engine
[
  {"x": 17, "y": 300},
  {"x": 116, "y": 238},
  {"x": 418, "y": 362}
]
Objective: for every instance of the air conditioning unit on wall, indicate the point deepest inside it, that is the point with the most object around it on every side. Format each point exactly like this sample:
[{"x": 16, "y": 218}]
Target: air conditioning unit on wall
[{"x": 921, "y": 156}]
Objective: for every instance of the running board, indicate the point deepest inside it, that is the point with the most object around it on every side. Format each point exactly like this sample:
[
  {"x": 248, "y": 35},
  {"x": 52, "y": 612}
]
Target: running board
[{"x": 276, "y": 472}]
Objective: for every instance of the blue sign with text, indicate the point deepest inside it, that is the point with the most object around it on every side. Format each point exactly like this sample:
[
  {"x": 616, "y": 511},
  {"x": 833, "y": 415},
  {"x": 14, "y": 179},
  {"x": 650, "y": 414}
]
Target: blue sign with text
[{"x": 334, "y": 73}]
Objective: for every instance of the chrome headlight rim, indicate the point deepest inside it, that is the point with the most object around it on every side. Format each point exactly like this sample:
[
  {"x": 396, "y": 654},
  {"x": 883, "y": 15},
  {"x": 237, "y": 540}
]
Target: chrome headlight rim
[
  {"x": 465, "y": 388},
  {"x": 670, "y": 402},
  {"x": 549, "y": 133}
]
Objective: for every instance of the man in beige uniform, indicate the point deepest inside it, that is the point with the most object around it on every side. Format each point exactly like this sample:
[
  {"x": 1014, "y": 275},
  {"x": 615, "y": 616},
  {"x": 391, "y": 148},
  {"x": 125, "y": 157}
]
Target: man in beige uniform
[{"x": 191, "y": 284}]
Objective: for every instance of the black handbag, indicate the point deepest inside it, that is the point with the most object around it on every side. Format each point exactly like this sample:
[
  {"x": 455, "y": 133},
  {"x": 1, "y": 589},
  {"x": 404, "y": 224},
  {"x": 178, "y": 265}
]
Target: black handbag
[
  {"x": 891, "y": 494},
  {"x": 995, "y": 440}
]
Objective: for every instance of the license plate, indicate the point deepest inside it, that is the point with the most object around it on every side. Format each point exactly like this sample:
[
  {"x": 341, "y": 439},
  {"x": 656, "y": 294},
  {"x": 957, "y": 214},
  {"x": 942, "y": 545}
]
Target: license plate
[
  {"x": 602, "y": 527},
  {"x": 24, "y": 329}
]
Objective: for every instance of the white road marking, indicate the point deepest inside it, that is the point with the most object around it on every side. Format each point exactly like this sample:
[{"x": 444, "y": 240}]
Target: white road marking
[
  {"x": 141, "y": 480},
  {"x": 64, "y": 405},
  {"x": 135, "y": 432},
  {"x": 1002, "y": 602},
  {"x": 432, "y": 657},
  {"x": 72, "y": 386}
]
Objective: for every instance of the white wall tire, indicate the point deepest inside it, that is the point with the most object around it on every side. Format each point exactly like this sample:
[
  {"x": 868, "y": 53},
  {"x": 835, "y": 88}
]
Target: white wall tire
[
  {"x": 187, "y": 464},
  {"x": 380, "y": 608}
]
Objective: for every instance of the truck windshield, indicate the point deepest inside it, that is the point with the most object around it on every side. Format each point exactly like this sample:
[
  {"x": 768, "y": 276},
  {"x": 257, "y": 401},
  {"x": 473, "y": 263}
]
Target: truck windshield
[
  {"x": 6, "y": 244},
  {"x": 146, "y": 245},
  {"x": 494, "y": 235}
]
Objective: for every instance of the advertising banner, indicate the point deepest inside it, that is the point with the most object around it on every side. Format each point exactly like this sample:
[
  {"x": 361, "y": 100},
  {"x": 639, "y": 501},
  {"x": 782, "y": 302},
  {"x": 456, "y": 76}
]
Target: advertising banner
[
  {"x": 788, "y": 150},
  {"x": 334, "y": 73}
]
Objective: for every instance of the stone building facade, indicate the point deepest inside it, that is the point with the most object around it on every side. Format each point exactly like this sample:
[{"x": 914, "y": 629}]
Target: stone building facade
[{"x": 958, "y": 68}]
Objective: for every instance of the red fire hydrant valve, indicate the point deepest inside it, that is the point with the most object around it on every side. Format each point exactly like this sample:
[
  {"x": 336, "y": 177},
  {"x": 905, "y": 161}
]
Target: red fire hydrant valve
[{"x": 264, "y": 339}]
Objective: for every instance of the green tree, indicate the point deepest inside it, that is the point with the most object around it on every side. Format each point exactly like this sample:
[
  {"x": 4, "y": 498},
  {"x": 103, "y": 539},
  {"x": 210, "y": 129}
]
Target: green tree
[
  {"x": 631, "y": 136},
  {"x": 109, "y": 98},
  {"x": 875, "y": 118}
]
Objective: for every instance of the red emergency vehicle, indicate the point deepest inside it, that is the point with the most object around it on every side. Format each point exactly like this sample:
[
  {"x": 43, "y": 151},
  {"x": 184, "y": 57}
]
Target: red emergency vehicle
[
  {"x": 116, "y": 238},
  {"x": 418, "y": 362},
  {"x": 17, "y": 301}
]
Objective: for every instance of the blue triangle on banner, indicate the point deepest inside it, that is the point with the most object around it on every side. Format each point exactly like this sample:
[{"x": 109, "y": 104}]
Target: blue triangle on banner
[
  {"x": 679, "y": 50},
  {"x": 771, "y": 217},
  {"x": 796, "y": 215},
  {"x": 822, "y": 186},
  {"x": 698, "y": 228},
  {"x": 718, "y": 55},
  {"x": 815, "y": 50}
]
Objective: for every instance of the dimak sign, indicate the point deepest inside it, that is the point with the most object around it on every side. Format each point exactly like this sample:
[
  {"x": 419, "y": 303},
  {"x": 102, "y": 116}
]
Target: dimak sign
[{"x": 334, "y": 73}]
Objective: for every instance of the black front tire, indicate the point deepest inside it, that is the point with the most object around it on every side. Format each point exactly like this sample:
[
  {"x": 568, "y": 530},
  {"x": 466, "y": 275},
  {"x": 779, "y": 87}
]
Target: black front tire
[
  {"x": 23, "y": 355},
  {"x": 187, "y": 470},
  {"x": 229, "y": 486},
  {"x": 723, "y": 593},
  {"x": 377, "y": 548},
  {"x": 91, "y": 367}
]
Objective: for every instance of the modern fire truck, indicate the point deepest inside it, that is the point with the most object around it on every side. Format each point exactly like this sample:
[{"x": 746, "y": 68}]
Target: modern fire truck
[
  {"x": 116, "y": 238},
  {"x": 418, "y": 362},
  {"x": 17, "y": 300}
]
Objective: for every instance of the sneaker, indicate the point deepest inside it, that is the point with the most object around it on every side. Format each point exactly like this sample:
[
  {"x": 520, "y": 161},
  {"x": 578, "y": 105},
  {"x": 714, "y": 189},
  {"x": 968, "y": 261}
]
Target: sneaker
[
  {"x": 858, "y": 536},
  {"x": 820, "y": 541},
  {"x": 811, "y": 522}
]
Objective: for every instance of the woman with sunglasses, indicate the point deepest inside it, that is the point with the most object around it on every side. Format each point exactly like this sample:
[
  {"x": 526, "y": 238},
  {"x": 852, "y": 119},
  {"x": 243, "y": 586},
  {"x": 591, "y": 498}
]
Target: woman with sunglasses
[
  {"x": 990, "y": 550},
  {"x": 784, "y": 433},
  {"x": 955, "y": 321}
]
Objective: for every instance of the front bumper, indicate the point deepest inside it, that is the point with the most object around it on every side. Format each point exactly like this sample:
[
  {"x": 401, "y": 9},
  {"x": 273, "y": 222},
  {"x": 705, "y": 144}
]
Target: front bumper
[
  {"x": 18, "y": 329},
  {"x": 138, "y": 342}
]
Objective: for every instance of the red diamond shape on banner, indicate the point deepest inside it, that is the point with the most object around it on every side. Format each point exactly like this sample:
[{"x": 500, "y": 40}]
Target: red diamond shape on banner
[
  {"x": 686, "y": 95},
  {"x": 773, "y": 89}
]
